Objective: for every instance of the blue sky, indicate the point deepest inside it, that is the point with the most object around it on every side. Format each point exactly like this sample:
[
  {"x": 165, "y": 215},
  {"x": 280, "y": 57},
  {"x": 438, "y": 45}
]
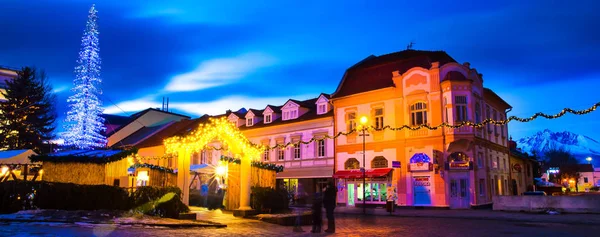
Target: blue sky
[{"x": 209, "y": 56}]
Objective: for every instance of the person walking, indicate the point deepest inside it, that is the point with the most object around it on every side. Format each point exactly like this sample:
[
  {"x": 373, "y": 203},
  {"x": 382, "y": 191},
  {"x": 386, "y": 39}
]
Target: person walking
[
  {"x": 317, "y": 213},
  {"x": 329, "y": 202}
]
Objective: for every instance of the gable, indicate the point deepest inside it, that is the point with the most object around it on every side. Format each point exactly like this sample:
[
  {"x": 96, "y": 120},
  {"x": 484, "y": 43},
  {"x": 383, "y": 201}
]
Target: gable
[
  {"x": 232, "y": 117},
  {"x": 322, "y": 99},
  {"x": 290, "y": 105},
  {"x": 250, "y": 114},
  {"x": 268, "y": 110}
]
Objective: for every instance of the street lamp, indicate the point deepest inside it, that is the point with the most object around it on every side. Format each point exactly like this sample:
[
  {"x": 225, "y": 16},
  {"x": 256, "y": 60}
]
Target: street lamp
[
  {"x": 589, "y": 160},
  {"x": 363, "y": 123}
]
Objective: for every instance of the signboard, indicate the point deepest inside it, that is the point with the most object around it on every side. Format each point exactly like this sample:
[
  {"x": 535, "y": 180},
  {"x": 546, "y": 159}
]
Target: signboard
[
  {"x": 553, "y": 170},
  {"x": 420, "y": 167},
  {"x": 421, "y": 181},
  {"x": 517, "y": 167},
  {"x": 460, "y": 165},
  {"x": 396, "y": 164}
]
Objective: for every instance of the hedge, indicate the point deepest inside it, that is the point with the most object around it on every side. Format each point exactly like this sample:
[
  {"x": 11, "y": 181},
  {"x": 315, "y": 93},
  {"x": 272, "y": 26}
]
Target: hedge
[
  {"x": 25, "y": 195},
  {"x": 270, "y": 200}
]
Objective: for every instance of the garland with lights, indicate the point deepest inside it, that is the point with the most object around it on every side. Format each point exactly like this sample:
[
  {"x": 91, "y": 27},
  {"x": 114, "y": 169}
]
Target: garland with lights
[
  {"x": 247, "y": 143},
  {"x": 154, "y": 167},
  {"x": 257, "y": 164}
]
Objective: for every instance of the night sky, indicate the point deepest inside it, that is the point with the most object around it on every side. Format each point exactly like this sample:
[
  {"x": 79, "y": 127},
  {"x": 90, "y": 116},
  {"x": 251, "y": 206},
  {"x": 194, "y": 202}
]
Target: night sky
[{"x": 209, "y": 56}]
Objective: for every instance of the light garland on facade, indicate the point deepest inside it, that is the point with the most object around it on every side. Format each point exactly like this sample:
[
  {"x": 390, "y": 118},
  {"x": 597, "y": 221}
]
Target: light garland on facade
[
  {"x": 258, "y": 164},
  {"x": 235, "y": 132},
  {"x": 154, "y": 167}
]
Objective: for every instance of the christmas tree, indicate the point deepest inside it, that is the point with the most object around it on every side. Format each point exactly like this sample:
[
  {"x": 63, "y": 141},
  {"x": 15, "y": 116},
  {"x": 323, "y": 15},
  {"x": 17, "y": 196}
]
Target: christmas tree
[{"x": 84, "y": 125}]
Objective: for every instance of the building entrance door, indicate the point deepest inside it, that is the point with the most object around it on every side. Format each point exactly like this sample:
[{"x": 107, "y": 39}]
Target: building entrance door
[
  {"x": 422, "y": 190},
  {"x": 459, "y": 193},
  {"x": 351, "y": 196}
]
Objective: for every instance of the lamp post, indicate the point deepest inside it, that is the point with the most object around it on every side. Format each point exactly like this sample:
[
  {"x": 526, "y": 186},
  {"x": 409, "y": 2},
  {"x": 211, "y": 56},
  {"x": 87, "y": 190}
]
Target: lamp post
[
  {"x": 589, "y": 160},
  {"x": 363, "y": 122}
]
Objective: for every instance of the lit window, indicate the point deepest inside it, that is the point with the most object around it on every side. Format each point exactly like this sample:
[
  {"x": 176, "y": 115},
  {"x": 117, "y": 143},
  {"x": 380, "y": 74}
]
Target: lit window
[
  {"x": 267, "y": 118},
  {"x": 461, "y": 108},
  {"x": 296, "y": 151},
  {"x": 249, "y": 122},
  {"x": 266, "y": 155},
  {"x": 418, "y": 114},
  {"x": 351, "y": 121},
  {"x": 379, "y": 118},
  {"x": 321, "y": 148}
]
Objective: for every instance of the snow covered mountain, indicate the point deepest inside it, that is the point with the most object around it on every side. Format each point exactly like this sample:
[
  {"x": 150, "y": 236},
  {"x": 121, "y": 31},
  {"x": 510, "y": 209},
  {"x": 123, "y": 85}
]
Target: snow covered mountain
[{"x": 580, "y": 145}]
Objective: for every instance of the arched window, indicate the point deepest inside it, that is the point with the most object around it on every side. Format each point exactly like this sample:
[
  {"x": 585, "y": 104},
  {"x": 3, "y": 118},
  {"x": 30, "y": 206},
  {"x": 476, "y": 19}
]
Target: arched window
[
  {"x": 418, "y": 114},
  {"x": 379, "y": 162},
  {"x": 352, "y": 164}
]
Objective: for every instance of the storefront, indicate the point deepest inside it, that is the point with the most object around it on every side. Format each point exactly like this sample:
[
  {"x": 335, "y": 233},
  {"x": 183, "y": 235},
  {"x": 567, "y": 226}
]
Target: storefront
[
  {"x": 420, "y": 168},
  {"x": 373, "y": 192}
]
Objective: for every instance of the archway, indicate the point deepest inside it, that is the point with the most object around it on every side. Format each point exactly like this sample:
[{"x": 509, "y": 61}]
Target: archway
[{"x": 229, "y": 136}]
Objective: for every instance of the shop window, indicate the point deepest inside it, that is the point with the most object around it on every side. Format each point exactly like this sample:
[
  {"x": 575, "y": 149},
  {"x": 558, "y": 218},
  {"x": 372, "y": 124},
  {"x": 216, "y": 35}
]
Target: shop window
[
  {"x": 458, "y": 157},
  {"x": 352, "y": 164},
  {"x": 418, "y": 113},
  {"x": 379, "y": 162},
  {"x": 420, "y": 158}
]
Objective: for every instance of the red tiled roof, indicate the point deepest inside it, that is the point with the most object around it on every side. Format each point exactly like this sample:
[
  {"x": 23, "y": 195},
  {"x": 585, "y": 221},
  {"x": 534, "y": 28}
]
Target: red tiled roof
[{"x": 375, "y": 72}]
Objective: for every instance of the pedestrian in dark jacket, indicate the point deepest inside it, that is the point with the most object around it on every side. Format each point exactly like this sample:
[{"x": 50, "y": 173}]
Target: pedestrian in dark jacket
[
  {"x": 317, "y": 213},
  {"x": 329, "y": 202}
]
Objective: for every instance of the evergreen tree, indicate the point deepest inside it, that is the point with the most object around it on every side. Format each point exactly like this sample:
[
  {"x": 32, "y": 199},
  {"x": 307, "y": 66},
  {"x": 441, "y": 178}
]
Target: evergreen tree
[
  {"x": 28, "y": 114},
  {"x": 84, "y": 125}
]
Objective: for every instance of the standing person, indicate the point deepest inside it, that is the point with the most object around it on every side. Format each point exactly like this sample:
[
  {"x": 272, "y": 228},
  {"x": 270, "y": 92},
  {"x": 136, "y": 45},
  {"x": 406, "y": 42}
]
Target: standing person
[
  {"x": 204, "y": 193},
  {"x": 329, "y": 203},
  {"x": 317, "y": 213}
]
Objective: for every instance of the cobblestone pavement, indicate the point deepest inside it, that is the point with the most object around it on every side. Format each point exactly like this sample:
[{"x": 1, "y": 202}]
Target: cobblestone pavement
[{"x": 346, "y": 226}]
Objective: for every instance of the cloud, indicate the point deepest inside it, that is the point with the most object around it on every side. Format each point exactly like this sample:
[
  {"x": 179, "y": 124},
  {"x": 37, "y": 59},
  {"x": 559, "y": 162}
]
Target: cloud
[
  {"x": 214, "y": 107},
  {"x": 217, "y": 72},
  {"x": 60, "y": 89}
]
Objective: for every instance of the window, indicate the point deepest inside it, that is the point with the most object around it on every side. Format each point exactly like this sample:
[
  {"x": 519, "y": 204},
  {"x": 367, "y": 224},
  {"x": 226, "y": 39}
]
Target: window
[
  {"x": 446, "y": 109},
  {"x": 352, "y": 164},
  {"x": 351, "y": 121},
  {"x": 585, "y": 180},
  {"x": 461, "y": 108},
  {"x": 379, "y": 162},
  {"x": 504, "y": 160},
  {"x": 480, "y": 160},
  {"x": 321, "y": 148},
  {"x": 495, "y": 163},
  {"x": 418, "y": 114},
  {"x": 495, "y": 118},
  {"x": 286, "y": 115},
  {"x": 379, "y": 118},
  {"x": 195, "y": 159},
  {"x": 281, "y": 153},
  {"x": 322, "y": 108},
  {"x": 209, "y": 156},
  {"x": 203, "y": 157},
  {"x": 296, "y": 151},
  {"x": 477, "y": 113},
  {"x": 266, "y": 155},
  {"x": 267, "y": 118},
  {"x": 249, "y": 121},
  {"x": 487, "y": 116},
  {"x": 482, "y": 187},
  {"x": 293, "y": 114}
]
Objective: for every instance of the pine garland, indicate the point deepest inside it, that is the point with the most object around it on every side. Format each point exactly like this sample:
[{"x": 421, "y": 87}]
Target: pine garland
[
  {"x": 154, "y": 167},
  {"x": 257, "y": 164}
]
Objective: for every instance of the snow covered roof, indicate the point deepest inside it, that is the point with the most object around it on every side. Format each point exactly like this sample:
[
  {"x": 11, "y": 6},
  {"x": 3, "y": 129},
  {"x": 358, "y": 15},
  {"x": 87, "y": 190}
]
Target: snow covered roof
[
  {"x": 15, "y": 156},
  {"x": 85, "y": 156}
]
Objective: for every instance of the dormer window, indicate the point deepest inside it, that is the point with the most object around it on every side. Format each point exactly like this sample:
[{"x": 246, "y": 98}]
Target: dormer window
[
  {"x": 286, "y": 115},
  {"x": 250, "y": 121},
  {"x": 292, "y": 114},
  {"x": 268, "y": 118},
  {"x": 322, "y": 108}
]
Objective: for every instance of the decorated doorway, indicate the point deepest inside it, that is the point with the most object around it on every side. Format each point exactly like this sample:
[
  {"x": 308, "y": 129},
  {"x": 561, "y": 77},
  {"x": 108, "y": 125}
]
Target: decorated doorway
[{"x": 420, "y": 167}]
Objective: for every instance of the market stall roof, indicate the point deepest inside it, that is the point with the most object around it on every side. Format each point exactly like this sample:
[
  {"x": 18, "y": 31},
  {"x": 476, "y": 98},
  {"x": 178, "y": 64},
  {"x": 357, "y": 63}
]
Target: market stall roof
[
  {"x": 85, "y": 156},
  {"x": 16, "y": 156},
  {"x": 372, "y": 173}
]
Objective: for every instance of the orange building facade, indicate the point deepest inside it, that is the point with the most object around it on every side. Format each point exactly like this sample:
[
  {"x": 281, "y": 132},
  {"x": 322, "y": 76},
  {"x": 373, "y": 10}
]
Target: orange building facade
[{"x": 455, "y": 168}]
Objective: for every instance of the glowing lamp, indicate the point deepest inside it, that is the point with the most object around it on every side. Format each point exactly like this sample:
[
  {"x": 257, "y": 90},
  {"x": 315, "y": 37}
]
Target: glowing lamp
[
  {"x": 220, "y": 170},
  {"x": 589, "y": 159},
  {"x": 4, "y": 170},
  {"x": 364, "y": 120},
  {"x": 41, "y": 171}
]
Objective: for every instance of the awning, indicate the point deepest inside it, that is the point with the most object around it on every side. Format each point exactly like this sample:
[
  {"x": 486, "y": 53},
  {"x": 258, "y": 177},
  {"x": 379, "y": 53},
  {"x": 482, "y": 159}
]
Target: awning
[
  {"x": 306, "y": 172},
  {"x": 459, "y": 145},
  {"x": 372, "y": 173},
  {"x": 16, "y": 156}
]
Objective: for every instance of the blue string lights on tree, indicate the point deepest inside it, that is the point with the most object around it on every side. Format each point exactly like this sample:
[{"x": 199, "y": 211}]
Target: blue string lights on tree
[{"x": 84, "y": 124}]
